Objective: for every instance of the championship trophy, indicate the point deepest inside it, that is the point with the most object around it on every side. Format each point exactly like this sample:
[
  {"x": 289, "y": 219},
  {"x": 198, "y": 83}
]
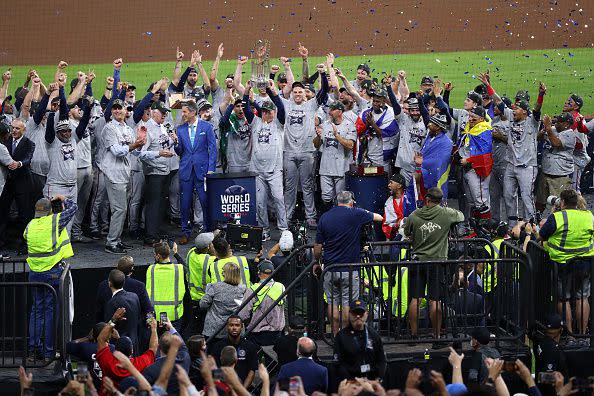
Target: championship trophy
[{"x": 261, "y": 64}]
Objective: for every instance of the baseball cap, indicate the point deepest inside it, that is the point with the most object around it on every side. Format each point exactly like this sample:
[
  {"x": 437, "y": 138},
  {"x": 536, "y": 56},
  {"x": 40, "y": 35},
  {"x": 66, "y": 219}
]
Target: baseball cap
[
  {"x": 379, "y": 92},
  {"x": 4, "y": 128},
  {"x": 63, "y": 125},
  {"x": 203, "y": 240},
  {"x": 358, "y": 305},
  {"x": 124, "y": 345},
  {"x": 398, "y": 178},
  {"x": 298, "y": 84},
  {"x": 282, "y": 77},
  {"x": 481, "y": 90},
  {"x": 337, "y": 105},
  {"x": 440, "y": 120},
  {"x": 265, "y": 267},
  {"x": 268, "y": 106},
  {"x": 553, "y": 321},
  {"x": 42, "y": 207},
  {"x": 286, "y": 242},
  {"x": 476, "y": 98},
  {"x": 158, "y": 105},
  {"x": 577, "y": 99},
  {"x": 230, "y": 75},
  {"x": 118, "y": 102},
  {"x": 365, "y": 67},
  {"x": 482, "y": 335},
  {"x": 426, "y": 80},
  {"x": 479, "y": 111},
  {"x": 413, "y": 103},
  {"x": 507, "y": 101},
  {"x": 523, "y": 94},
  {"x": 523, "y": 104},
  {"x": 565, "y": 117},
  {"x": 131, "y": 87},
  {"x": 202, "y": 104}
]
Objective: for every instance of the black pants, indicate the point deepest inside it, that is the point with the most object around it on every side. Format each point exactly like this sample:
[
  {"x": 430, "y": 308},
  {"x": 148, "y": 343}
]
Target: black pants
[
  {"x": 155, "y": 190},
  {"x": 24, "y": 204}
]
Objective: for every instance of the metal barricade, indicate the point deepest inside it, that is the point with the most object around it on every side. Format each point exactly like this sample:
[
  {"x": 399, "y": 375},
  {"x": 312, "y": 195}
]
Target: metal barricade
[
  {"x": 23, "y": 328},
  {"x": 395, "y": 293},
  {"x": 563, "y": 288}
]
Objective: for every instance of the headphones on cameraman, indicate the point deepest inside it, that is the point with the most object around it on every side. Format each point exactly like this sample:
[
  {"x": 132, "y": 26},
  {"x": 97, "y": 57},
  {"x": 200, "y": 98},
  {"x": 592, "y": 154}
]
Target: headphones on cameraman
[{"x": 351, "y": 197}]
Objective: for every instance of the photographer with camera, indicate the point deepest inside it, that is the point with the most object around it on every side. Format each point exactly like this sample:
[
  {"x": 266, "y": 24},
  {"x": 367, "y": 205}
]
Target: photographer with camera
[
  {"x": 568, "y": 236},
  {"x": 338, "y": 239},
  {"x": 48, "y": 245}
]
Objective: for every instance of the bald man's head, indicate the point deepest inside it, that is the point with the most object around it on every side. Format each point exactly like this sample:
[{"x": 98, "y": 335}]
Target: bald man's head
[
  {"x": 306, "y": 347},
  {"x": 125, "y": 264}
]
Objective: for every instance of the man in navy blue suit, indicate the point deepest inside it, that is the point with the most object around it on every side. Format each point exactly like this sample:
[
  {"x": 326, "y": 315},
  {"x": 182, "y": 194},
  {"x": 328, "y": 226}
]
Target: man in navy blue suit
[
  {"x": 313, "y": 375},
  {"x": 195, "y": 143}
]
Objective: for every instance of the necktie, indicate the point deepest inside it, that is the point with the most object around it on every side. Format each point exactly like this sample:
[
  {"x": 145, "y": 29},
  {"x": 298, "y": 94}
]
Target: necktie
[
  {"x": 14, "y": 144},
  {"x": 192, "y": 134}
]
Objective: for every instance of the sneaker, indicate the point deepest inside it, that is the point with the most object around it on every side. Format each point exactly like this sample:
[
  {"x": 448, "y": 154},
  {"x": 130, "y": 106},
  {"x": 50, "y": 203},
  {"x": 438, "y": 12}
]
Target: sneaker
[
  {"x": 124, "y": 245},
  {"x": 35, "y": 357},
  {"x": 583, "y": 342},
  {"x": 571, "y": 342},
  {"x": 95, "y": 235},
  {"x": 115, "y": 249},
  {"x": 265, "y": 236},
  {"x": 80, "y": 239},
  {"x": 311, "y": 224}
]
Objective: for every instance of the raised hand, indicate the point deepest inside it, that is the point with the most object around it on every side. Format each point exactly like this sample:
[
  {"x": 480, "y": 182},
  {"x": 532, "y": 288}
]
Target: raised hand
[
  {"x": 62, "y": 79},
  {"x": 274, "y": 69},
  {"x": 542, "y": 88},
  {"x": 484, "y": 78},
  {"x": 90, "y": 76},
  {"x": 437, "y": 89},
  {"x": 339, "y": 73},
  {"x": 179, "y": 56},
  {"x": 330, "y": 59},
  {"x": 109, "y": 82},
  {"x": 119, "y": 314},
  {"x": 387, "y": 80},
  {"x": 117, "y": 63},
  {"x": 321, "y": 68},
  {"x": 285, "y": 61},
  {"x": 448, "y": 86},
  {"x": 242, "y": 60},
  {"x": 220, "y": 51},
  {"x": 82, "y": 77},
  {"x": 6, "y": 76},
  {"x": 272, "y": 87},
  {"x": 302, "y": 51},
  {"x": 62, "y": 65},
  {"x": 52, "y": 87},
  {"x": 546, "y": 121}
]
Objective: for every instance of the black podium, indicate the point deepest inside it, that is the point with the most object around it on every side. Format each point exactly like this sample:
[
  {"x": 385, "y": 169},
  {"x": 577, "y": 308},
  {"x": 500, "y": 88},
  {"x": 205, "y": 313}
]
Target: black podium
[{"x": 231, "y": 196}]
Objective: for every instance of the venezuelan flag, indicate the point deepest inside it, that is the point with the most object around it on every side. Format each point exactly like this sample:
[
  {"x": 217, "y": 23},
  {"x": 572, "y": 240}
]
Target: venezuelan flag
[{"x": 479, "y": 140}]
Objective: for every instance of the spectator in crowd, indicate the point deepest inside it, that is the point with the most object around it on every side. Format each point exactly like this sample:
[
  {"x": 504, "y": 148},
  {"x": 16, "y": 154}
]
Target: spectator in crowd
[
  {"x": 428, "y": 229},
  {"x": 479, "y": 342},
  {"x": 221, "y": 299},
  {"x": 166, "y": 285},
  {"x": 18, "y": 187},
  {"x": 247, "y": 352},
  {"x": 313, "y": 375},
  {"x": 85, "y": 349},
  {"x": 228, "y": 356},
  {"x": 196, "y": 347},
  {"x": 338, "y": 241},
  {"x": 48, "y": 245},
  {"x": 198, "y": 260},
  {"x": 358, "y": 347},
  {"x": 568, "y": 238},
  {"x": 195, "y": 143},
  {"x": 108, "y": 363},
  {"x": 264, "y": 328},
  {"x": 5, "y": 158},
  {"x": 285, "y": 346}
]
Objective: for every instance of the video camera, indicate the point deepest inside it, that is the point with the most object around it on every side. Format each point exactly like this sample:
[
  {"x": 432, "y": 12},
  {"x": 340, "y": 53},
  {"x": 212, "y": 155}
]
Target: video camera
[
  {"x": 553, "y": 201},
  {"x": 299, "y": 231}
]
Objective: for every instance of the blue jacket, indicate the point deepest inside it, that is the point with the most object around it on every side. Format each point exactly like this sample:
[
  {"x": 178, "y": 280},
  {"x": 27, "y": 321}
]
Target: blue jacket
[
  {"x": 131, "y": 285},
  {"x": 313, "y": 375},
  {"x": 201, "y": 157}
]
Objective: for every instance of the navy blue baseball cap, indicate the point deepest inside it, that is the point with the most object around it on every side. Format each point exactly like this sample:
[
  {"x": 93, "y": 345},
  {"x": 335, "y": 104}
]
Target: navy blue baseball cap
[{"x": 358, "y": 305}]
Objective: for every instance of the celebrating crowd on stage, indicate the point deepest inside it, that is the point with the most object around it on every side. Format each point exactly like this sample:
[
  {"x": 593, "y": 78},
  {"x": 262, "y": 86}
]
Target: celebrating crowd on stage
[{"x": 77, "y": 168}]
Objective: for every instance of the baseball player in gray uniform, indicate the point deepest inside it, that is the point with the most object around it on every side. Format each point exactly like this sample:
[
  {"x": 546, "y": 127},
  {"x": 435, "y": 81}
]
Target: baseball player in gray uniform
[
  {"x": 335, "y": 139},
  {"x": 267, "y": 156},
  {"x": 557, "y": 157},
  {"x": 501, "y": 127}
]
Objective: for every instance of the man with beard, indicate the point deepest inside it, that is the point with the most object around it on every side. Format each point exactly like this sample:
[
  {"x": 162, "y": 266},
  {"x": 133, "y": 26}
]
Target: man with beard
[
  {"x": 437, "y": 154},
  {"x": 238, "y": 136},
  {"x": 573, "y": 105},
  {"x": 299, "y": 153},
  {"x": 186, "y": 83}
]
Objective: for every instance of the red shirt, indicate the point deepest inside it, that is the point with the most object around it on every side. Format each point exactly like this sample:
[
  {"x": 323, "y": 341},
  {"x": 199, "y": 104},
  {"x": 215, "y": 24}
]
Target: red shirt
[{"x": 108, "y": 364}]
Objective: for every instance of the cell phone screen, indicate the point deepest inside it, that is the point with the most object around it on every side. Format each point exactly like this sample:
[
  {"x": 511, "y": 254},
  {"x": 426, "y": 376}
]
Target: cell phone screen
[{"x": 163, "y": 317}]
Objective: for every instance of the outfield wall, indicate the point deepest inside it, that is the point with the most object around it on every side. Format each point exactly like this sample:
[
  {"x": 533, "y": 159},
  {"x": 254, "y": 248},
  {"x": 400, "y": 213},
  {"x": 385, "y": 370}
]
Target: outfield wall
[{"x": 41, "y": 32}]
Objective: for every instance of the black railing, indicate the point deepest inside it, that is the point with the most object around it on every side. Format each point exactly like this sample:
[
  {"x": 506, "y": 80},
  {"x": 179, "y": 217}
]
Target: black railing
[{"x": 17, "y": 296}]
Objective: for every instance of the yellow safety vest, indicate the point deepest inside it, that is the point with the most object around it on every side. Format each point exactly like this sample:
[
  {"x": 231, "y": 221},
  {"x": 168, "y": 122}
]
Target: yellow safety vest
[
  {"x": 198, "y": 267},
  {"x": 47, "y": 246},
  {"x": 491, "y": 269},
  {"x": 215, "y": 269},
  {"x": 272, "y": 289},
  {"x": 165, "y": 287},
  {"x": 573, "y": 236}
]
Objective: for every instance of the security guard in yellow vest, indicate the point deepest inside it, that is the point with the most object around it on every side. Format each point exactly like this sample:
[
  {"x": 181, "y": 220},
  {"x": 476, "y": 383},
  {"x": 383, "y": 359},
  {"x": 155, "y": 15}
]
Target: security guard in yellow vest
[
  {"x": 198, "y": 260},
  {"x": 48, "y": 244},
  {"x": 267, "y": 330},
  {"x": 166, "y": 286},
  {"x": 490, "y": 274},
  {"x": 224, "y": 256},
  {"x": 568, "y": 234}
]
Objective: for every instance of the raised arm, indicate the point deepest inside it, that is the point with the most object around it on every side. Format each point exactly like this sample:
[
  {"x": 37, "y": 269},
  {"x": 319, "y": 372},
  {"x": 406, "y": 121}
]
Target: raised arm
[
  {"x": 42, "y": 107},
  {"x": 290, "y": 78},
  {"x": 305, "y": 66},
  {"x": 6, "y": 76},
  {"x": 77, "y": 92},
  {"x": 84, "y": 120},
  {"x": 167, "y": 367},
  {"x": 239, "y": 87},
  {"x": 179, "y": 57},
  {"x": 393, "y": 99},
  {"x": 146, "y": 101},
  {"x": 322, "y": 95},
  {"x": 247, "y": 109},
  {"x": 349, "y": 87},
  {"x": 542, "y": 90},
  {"x": 63, "y": 105},
  {"x": 403, "y": 89},
  {"x": 280, "y": 107},
  {"x": 333, "y": 80},
  {"x": 214, "y": 83},
  {"x": 203, "y": 74},
  {"x": 117, "y": 65}
]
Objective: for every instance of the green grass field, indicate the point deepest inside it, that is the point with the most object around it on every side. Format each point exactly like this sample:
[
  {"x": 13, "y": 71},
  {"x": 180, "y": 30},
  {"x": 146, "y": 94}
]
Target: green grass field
[{"x": 564, "y": 71}]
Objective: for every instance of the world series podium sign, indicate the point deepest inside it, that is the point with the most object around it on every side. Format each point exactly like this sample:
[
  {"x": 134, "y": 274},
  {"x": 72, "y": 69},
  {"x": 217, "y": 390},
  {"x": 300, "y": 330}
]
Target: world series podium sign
[{"x": 231, "y": 197}]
